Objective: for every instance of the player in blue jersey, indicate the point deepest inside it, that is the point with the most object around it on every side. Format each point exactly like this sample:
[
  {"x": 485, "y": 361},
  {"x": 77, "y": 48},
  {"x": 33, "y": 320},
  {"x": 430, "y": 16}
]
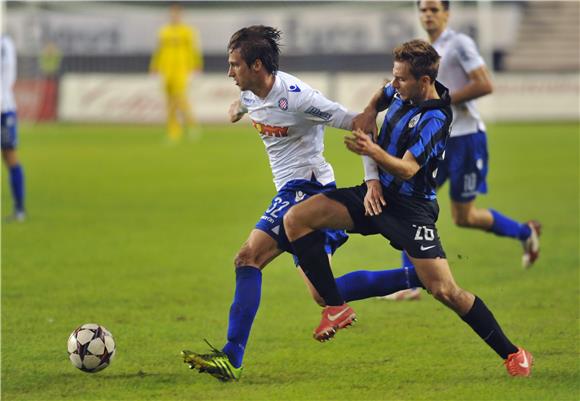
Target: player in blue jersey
[
  {"x": 10, "y": 128},
  {"x": 290, "y": 117},
  {"x": 410, "y": 145}
]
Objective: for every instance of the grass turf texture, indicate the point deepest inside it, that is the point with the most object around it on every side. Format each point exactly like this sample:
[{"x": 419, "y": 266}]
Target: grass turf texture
[{"x": 139, "y": 237}]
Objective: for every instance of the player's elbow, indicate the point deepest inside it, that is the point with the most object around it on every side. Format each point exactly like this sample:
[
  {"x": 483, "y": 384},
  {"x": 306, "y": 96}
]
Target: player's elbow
[
  {"x": 403, "y": 175},
  {"x": 484, "y": 87},
  {"x": 408, "y": 171},
  {"x": 488, "y": 88}
]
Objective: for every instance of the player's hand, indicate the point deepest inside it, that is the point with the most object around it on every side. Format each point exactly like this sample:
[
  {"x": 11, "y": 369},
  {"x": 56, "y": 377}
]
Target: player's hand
[
  {"x": 360, "y": 143},
  {"x": 236, "y": 111},
  {"x": 367, "y": 122},
  {"x": 374, "y": 200}
]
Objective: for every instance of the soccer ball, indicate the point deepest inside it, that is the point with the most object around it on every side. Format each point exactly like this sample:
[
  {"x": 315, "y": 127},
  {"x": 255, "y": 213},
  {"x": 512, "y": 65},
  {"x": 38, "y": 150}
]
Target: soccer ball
[{"x": 91, "y": 347}]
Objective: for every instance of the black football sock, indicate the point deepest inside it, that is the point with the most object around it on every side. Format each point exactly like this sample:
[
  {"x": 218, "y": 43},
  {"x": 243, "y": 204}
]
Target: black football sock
[
  {"x": 313, "y": 259},
  {"x": 484, "y": 324}
]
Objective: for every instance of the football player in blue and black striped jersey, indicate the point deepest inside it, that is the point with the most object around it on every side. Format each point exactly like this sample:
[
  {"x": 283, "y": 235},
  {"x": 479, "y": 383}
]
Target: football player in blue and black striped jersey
[{"x": 397, "y": 200}]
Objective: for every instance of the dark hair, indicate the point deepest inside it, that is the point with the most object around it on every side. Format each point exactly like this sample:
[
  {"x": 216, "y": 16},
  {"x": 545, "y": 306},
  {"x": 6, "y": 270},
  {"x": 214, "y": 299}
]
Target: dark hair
[
  {"x": 421, "y": 56},
  {"x": 258, "y": 42},
  {"x": 445, "y": 4}
]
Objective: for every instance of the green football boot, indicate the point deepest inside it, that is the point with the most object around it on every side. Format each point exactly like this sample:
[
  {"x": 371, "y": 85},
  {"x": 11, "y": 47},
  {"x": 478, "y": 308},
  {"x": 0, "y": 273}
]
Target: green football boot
[{"x": 215, "y": 363}]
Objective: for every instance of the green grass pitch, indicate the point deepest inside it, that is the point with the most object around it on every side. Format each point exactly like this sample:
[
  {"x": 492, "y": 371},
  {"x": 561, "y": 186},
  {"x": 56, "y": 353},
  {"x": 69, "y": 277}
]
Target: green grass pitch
[{"x": 138, "y": 236}]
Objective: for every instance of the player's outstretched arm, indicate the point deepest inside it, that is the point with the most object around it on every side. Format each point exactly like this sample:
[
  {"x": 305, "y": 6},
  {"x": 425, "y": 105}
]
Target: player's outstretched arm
[
  {"x": 236, "y": 111},
  {"x": 367, "y": 120}
]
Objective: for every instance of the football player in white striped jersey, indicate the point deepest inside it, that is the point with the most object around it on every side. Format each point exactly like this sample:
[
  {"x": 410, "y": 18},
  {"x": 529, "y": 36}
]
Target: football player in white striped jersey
[{"x": 290, "y": 117}]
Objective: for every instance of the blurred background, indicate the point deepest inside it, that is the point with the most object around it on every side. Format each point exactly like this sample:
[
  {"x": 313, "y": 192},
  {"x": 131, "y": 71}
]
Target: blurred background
[{"x": 88, "y": 61}]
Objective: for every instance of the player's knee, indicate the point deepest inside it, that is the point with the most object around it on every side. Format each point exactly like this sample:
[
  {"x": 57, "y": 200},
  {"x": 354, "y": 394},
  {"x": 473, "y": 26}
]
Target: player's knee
[
  {"x": 246, "y": 257},
  {"x": 463, "y": 220},
  {"x": 293, "y": 220},
  {"x": 9, "y": 157},
  {"x": 303, "y": 216},
  {"x": 445, "y": 293}
]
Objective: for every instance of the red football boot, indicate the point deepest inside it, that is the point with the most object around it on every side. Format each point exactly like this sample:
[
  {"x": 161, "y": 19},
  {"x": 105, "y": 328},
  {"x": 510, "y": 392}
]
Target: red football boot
[
  {"x": 334, "y": 318},
  {"x": 519, "y": 363}
]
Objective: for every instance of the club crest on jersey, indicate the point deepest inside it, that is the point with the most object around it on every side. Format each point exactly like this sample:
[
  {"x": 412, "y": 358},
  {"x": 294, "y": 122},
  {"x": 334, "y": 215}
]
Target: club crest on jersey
[
  {"x": 414, "y": 120},
  {"x": 270, "y": 130},
  {"x": 283, "y": 103}
]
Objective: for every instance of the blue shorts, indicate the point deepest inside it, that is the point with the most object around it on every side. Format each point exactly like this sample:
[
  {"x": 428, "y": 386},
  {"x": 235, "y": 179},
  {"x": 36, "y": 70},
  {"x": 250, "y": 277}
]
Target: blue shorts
[
  {"x": 9, "y": 130},
  {"x": 465, "y": 165},
  {"x": 295, "y": 191}
]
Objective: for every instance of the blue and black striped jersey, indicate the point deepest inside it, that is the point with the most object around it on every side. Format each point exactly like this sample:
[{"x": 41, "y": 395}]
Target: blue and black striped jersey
[{"x": 422, "y": 129}]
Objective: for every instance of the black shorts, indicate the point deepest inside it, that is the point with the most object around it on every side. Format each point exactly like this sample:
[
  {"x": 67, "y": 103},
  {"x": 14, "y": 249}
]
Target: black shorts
[{"x": 408, "y": 223}]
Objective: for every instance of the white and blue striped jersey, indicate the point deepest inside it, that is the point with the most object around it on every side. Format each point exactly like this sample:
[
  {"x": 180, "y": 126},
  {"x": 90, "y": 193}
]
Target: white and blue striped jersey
[
  {"x": 459, "y": 56},
  {"x": 291, "y": 122},
  {"x": 8, "y": 73}
]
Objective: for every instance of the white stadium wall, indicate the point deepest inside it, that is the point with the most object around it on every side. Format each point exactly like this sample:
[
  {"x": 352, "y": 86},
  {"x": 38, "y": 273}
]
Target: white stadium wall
[
  {"x": 92, "y": 28},
  {"x": 138, "y": 98},
  {"x": 533, "y": 97}
]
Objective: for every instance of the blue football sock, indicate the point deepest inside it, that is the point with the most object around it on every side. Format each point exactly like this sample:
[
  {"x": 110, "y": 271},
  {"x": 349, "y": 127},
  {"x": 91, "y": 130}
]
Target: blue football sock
[
  {"x": 406, "y": 262},
  {"x": 506, "y": 227},
  {"x": 242, "y": 312},
  {"x": 17, "y": 186},
  {"x": 366, "y": 284}
]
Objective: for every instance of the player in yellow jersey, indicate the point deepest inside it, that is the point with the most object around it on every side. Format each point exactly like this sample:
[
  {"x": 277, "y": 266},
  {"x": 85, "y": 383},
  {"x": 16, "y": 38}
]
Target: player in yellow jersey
[{"x": 177, "y": 57}]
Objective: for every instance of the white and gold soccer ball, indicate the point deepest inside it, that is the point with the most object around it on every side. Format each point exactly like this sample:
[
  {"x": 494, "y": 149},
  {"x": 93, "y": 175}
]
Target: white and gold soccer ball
[{"x": 91, "y": 347}]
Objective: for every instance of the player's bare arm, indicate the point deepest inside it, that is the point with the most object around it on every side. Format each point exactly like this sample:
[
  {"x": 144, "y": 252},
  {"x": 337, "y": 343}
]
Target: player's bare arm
[
  {"x": 360, "y": 143},
  {"x": 236, "y": 111},
  {"x": 479, "y": 85},
  {"x": 367, "y": 120}
]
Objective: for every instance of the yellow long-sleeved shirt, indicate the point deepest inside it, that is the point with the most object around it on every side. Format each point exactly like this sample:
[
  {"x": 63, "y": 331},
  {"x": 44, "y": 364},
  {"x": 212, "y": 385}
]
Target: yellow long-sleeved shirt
[{"x": 178, "y": 52}]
